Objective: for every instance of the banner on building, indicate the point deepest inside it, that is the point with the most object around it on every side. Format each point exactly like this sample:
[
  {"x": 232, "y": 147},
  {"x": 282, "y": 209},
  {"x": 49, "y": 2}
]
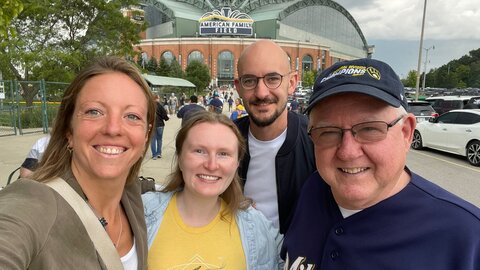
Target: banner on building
[{"x": 226, "y": 22}]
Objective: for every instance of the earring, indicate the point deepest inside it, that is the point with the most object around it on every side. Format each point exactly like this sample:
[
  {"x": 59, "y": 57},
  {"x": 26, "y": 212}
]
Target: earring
[{"x": 70, "y": 149}]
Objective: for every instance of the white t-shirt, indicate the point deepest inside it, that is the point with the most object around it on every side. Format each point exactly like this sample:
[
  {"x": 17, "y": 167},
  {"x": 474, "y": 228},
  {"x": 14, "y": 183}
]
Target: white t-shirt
[
  {"x": 130, "y": 260},
  {"x": 347, "y": 212},
  {"x": 261, "y": 183},
  {"x": 38, "y": 148}
]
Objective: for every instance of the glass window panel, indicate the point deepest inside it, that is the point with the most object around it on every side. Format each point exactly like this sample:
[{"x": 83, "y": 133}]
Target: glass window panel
[
  {"x": 168, "y": 55},
  {"x": 195, "y": 56}
]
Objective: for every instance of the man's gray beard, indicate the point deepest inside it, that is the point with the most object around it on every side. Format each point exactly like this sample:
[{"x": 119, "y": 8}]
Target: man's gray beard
[{"x": 269, "y": 121}]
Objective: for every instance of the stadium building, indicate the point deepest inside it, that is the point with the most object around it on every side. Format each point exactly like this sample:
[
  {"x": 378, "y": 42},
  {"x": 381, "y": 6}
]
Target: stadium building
[{"x": 314, "y": 33}]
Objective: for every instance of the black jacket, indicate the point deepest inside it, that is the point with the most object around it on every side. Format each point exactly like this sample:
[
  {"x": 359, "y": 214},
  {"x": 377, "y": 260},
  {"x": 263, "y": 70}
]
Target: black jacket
[
  {"x": 188, "y": 110},
  {"x": 160, "y": 115},
  {"x": 294, "y": 163}
]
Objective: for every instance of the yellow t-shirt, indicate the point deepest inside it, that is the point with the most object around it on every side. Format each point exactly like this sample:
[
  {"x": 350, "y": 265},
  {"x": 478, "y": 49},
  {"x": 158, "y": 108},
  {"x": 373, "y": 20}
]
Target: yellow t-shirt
[{"x": 179, "y": 246}]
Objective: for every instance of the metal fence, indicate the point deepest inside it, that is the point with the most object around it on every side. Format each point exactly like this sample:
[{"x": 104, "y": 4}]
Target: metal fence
[{"x": 28, "y": 106}]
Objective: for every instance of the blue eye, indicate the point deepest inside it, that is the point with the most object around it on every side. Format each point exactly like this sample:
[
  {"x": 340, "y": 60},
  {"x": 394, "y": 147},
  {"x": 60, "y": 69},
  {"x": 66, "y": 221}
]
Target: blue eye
[
  {"x": 133, "y": 117},
  {"x": 92, "y": 113}
]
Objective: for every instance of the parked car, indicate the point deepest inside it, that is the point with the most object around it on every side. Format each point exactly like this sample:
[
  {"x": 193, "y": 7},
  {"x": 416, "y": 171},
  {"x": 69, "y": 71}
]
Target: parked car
[
  {"x": 301, "y": 92},
  {"x": 443, "y": 104},
  {"x": 422, "y": 110},
  {"x": 457, "y": 132},
  {"x": 473, "y": 103}
]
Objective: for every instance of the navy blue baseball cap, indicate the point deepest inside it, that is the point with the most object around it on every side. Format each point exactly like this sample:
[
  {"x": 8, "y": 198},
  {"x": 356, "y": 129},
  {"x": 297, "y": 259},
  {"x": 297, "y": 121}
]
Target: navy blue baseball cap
[{"x": 366, "y": 76}]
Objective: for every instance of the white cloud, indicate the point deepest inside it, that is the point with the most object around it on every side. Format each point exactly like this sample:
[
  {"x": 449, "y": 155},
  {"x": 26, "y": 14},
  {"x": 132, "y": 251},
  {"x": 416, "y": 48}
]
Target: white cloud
[
  {"x": 394, "y": 26},
  {"x": 402, "y": 19}
]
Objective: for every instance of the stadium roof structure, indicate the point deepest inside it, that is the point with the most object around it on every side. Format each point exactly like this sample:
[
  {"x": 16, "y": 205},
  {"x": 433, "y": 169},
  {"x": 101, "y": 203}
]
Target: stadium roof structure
[
  {"x": 167, "y": 81},
  {"x": 259, "y": 10}
]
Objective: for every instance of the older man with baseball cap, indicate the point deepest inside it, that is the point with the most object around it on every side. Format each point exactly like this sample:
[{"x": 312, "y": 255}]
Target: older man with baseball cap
[{"x": 363, "y": 208}]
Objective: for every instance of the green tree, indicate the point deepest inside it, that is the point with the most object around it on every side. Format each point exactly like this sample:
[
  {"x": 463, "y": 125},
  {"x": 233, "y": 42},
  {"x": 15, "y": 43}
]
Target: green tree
[
  {"x": 451, "y": 80},
  {"x": 9, "y": 10},
  {"x": 176, "y": 70},
  {"x": 430, "y": 80},
  {"x": 163, "y": 68},
  {"x": 56, "y": 38},
  {"x": 474, "y": 78},
  {"x": 411, "y": 79},
  {"x": 198, "y": 74},
  {"x": 152, "y": 65},
  {"x": 462, "y": 72},
  {"x": 308, "y": 78}
]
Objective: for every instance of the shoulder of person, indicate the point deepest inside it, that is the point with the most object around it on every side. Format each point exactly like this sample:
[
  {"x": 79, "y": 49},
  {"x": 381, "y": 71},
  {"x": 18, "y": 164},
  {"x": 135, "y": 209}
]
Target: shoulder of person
[
  {"x": 28, "y": 207},
  {"x": 29, "y": 211},
  {"x": 196, "y": 107},
  {"x": 452, "y": 203},
  {"x": 24, "y": 188},
  {"x": 255, "y": 219},
  {"x": 253, "y": 214},
  {"x": 242, "y": 123},
  {"x": 155, "y": 200},
  {"x": 42, "y": 142},
  {"x": 297, "y": 119}
]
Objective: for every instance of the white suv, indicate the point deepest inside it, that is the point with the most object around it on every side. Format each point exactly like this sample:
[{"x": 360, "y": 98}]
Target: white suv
[{"x": 443, "y": 104}]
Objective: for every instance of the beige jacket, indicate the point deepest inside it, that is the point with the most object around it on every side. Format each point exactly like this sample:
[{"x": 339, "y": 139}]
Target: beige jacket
[{"x": 39, "y": 230}]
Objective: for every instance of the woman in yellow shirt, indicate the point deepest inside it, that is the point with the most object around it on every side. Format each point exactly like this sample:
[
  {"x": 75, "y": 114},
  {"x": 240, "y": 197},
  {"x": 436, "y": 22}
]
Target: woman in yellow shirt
[{"x": 201, "y": 220}]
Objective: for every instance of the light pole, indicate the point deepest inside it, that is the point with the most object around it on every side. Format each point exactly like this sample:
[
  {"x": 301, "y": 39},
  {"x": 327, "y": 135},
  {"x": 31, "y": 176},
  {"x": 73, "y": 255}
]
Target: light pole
[
  {"x": 425, "y": 66},
  {"x": 420, "y": 52}
]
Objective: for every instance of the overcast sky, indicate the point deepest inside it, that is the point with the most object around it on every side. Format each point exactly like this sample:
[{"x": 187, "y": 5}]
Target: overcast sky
[{"x": 394, "y": 26}]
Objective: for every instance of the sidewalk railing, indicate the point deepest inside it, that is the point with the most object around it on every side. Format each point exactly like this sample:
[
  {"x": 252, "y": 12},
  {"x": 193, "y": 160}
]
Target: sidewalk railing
[{"x": 28, "y": 106}]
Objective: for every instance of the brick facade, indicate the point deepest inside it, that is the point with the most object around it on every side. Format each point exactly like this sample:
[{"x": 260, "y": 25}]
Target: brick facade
[{"x": 210, "y": 48}]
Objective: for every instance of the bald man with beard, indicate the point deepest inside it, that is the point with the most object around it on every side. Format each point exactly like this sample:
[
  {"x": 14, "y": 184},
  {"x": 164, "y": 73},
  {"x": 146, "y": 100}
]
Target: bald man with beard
[{"x": 280, "y": 154}]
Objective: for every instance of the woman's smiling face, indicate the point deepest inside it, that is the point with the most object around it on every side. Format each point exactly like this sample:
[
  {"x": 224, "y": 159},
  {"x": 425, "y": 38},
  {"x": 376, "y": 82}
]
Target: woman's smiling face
[
  {"x": 209, "y": 159},
  {"x": 109, "y": 127}
]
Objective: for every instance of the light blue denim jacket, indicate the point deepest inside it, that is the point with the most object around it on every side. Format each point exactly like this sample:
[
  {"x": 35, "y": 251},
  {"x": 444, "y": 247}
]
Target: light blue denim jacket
[{"x": 261, "y": 241}]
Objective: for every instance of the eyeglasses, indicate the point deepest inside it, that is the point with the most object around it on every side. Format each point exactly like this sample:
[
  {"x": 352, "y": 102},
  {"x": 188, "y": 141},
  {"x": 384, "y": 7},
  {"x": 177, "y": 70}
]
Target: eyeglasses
[
  {"x": 271, "y": 80},
  {"x": 366, "y": 132}
]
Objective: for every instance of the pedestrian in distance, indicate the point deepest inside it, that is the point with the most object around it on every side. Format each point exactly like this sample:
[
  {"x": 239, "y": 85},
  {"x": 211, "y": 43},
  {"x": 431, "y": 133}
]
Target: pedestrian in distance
[
  {"x": 33, "y": 157},
  {"x": 215, "y": 104},
  {"x": 230, "y": 103},
  {"x": 364, "y": 208},
  {"x": 173, "y": 104},
  {"x": 201, "y": 218},
  {"x": 165, "y": 103},
  {"x": 201, "y": 101},
  {"x": 189, "y": 109},
  {"x": 87, "y": 175},
  {"x": 183, "y": 99},
  {"x": 239, "y": 111},
  {"x": 279, "y": 154},
  {"x": 161, "y": 116},
  {"x": 295, "y": 106}
]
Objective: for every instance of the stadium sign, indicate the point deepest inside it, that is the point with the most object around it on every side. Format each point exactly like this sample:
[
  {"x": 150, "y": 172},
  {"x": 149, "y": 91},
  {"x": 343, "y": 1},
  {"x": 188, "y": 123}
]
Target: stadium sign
[{"x": 225, "y": 22}]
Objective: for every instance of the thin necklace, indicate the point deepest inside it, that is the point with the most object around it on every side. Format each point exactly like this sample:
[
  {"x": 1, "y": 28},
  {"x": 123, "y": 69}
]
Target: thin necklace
[
  {"x": 121, "y": 228},
  {"x": 104, "y": 222}
]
